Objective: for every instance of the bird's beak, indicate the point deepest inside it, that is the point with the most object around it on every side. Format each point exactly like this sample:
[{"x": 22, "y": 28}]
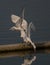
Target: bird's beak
[{"x": 10, "y": 29}]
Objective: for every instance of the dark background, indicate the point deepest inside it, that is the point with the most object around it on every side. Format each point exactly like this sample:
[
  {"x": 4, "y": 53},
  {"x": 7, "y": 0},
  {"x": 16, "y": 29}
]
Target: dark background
[{"x": 37, "y": 11}]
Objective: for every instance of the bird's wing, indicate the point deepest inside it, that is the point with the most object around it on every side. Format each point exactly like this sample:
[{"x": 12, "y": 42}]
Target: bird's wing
[
  {"x": 14, "y": 18},
  {"x": 22, "y": 15},
  {"x": 18, "y": 20},
  {"x": 32, "y": 26}
]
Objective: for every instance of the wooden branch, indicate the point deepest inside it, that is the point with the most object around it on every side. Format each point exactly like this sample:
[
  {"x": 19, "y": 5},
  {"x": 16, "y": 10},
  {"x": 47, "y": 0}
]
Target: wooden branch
[{"x": 24, "y": 46}]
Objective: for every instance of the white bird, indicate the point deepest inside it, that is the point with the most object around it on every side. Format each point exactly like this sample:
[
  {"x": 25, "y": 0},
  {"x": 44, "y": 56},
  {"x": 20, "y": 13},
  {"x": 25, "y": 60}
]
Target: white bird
[{"x": 22, "y": 25}]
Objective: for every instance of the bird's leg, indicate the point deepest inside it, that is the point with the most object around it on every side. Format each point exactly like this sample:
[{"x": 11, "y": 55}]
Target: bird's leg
[{"x": 34, "y": 46}]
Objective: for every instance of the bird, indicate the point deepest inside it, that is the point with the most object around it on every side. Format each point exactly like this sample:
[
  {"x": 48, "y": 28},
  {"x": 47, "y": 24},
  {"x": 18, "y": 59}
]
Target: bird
[{"x": 22, "y": 25}]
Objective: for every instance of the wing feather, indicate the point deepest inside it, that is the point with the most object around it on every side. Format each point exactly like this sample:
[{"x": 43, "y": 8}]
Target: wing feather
[{"x": 14, "y": 18}]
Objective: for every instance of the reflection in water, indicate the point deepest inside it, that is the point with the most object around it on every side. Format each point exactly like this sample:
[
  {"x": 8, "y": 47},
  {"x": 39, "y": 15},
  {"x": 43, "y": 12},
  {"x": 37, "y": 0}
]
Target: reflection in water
[
  {"x": 32, "y": 57},
  {"x": 30, "y": 53},
  {"x": 15, "y": 53},
  {"x": 28, "y": 56},
  {"x": 28, "y": 61}
]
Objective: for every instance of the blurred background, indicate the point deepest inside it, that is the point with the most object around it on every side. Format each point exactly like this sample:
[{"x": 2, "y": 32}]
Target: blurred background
[{"x": 37, "y": 11}]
